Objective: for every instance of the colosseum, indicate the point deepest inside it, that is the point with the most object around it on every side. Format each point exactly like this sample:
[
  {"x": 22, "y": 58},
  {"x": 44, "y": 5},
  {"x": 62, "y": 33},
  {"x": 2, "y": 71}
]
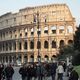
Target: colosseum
[{"x": 35, "y": 33}]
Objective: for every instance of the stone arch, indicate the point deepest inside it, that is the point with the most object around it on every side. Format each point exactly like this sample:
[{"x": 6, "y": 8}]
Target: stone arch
[
  {"x": 53, "y": 29},
  {"x": 46, "y": 45},
  {"x": 61, "y": 43},
  {"x": 14, "y": 47},
  {"x": 19, "y": 59},
  {"x": 25, "y": 59},
  {"x": 46, "y": 58},
  {"x": 53, "y": 44},
  {"x": 53, "y": 57},
  {"x": 25, "y": 45},
  {"x": 32, "y": 58},
  {"x": 70, "y": 42},
  {"x": 61, "y": 29},
  {"x": 38, "y": 58},
  {"x": 31, "y": 44},
  {"x": 38, "y": 45},
  {"x": 26, "y": 30},
  {"x": 10, "y": 59},
  {"x": 70, "y": 29},
  {"x": 20, "y": 45}
]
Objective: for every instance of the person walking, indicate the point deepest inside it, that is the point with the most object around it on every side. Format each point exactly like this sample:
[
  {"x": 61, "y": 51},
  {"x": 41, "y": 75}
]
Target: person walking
[
  {"x": 1, "y": 71},
  {"x": 9, "y": 71},
  {"x": 53, "y": 70},
  {"x": 60, "y": 70},
  {"x": 23, "y": 72}
]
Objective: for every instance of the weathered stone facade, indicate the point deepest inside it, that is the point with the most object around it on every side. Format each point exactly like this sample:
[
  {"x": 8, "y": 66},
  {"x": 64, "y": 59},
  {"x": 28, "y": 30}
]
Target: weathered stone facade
[{"x": 35, "y": 31}]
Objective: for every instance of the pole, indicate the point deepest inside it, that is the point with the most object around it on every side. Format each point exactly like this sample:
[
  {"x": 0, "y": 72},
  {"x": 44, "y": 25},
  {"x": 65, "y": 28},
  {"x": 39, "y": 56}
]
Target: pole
[
  {"x": 38, "y": 37},
  {"x": 39, "y": 57}
]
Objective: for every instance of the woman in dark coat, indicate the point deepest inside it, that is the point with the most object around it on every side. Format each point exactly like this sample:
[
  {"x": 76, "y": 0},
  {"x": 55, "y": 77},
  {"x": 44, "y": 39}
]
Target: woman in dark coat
[
  {"x": 23, "y": 72},
  {"x": 9, "y": 71}
]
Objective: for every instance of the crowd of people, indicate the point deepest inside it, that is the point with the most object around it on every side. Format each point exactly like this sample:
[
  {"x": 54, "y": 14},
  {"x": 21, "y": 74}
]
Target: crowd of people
[{"x": 40, "y": 71}]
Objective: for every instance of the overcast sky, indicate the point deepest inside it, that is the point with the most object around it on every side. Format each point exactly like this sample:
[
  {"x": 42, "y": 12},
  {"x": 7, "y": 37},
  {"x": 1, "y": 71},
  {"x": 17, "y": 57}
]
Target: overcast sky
[{"x": 15, "y": 5}]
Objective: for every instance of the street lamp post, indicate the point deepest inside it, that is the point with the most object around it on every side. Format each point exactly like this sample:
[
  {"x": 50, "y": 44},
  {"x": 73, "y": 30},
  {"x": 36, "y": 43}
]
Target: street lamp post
[{"x": 39, "y": 58}]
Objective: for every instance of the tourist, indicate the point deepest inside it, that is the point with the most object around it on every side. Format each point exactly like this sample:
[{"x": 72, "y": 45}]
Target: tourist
[
  {"x": 9, "y": 71},
  {"x": 23, "y": 72},
  {"x": 60, "y": 70}
]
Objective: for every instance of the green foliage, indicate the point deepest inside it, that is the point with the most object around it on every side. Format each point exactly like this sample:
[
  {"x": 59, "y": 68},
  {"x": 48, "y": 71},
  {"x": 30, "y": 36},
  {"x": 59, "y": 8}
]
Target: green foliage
[
  {"x": 66, "y": 51},
  {"x": 76, "y": 59},
  {"x": 77, "y": 39},
  {"x": 77, "y": 68}
]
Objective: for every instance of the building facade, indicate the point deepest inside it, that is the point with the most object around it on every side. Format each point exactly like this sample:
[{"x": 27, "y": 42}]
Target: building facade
[{"x": 35, "y": 32}]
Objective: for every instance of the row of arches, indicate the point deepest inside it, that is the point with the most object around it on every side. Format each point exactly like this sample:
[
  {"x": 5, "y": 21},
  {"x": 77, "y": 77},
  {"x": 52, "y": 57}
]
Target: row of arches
[
  {"x": 19, "y": 60},
  {"x": 13, "y": 45}
]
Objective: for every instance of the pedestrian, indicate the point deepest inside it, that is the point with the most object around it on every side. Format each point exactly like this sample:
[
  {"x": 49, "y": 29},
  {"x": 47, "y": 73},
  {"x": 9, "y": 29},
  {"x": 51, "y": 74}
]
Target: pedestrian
[
  {"x": 29, "y": 71},
  {"x": 73, "y": 75},
  {"x": 64, "y": 66},
  {"x": 34, "y": 71},
  {"x": 23, "y": 72},
  {"x": 60, "y": 70},
  {"x": 1, "y": 71},
  {"x": 69, "y": 69},
  {"x": 9, "y": 71},
  {"x": 53, "y": 70}
]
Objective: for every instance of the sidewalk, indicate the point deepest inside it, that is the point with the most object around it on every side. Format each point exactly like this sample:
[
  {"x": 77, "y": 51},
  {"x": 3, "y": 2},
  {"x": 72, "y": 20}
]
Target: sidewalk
[{"x": 65, "y": 77}]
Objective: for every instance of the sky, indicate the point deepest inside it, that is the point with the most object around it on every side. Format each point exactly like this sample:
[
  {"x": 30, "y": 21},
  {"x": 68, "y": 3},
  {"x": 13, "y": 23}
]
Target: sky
[{"x": 14, "y": 6}]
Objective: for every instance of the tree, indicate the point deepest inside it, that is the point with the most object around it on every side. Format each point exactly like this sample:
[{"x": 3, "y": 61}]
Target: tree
[
  {"x": 77, "y": 39},
  {"x": 66, "y": 51},
  {"x": 76, "y": 59}
]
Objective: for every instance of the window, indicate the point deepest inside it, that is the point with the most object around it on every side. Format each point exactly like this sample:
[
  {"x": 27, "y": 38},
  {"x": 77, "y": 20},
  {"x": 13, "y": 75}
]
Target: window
[
  {"x": 32, "y": 31},
  {"x": 25, "y": 16},
  {"x": 61, "y": 29},
  {"x": 31, "y": 45},
  {"x": 6, "y": 46},
  {"x": 39, "y": 31},
  {"x": 10, "y": 46},
  {"x": 4, "y": 35},
  {"x": 25, "y": 33},
  {"x": 46, "y": 44},
  {"x": 53, "y": 44},
  {"x": 14, "y": 47},
  {"x": 53, "y": 29},
  {"x": 46, "y": 30},
  {"x": 20, "y": 34},
  {"x": 25, "y": 45},
  {"x": 70, "y": 29},
  {"x": 61, "y": 43},
  {"x": 34, "y": 18},
  {"x": 20, "y": 45},
  {"x": 38, "y": 45}
]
